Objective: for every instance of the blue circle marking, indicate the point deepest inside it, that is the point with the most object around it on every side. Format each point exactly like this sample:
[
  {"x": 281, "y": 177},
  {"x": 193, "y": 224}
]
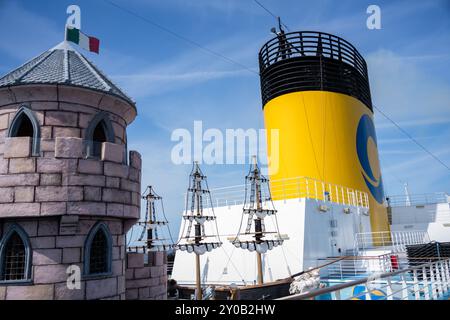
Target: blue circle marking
[{"x": 366, "y": 130}]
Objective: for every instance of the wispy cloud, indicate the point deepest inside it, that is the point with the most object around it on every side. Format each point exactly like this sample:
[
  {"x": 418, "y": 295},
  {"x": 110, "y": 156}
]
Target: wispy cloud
[
  {"x": 382, "y": 124},
  {"x": 402, "y": 140},
  {"x": 408, "y": 164},
  {"x": 147, "y": 84},
  {"x": 404, "y": 90}
]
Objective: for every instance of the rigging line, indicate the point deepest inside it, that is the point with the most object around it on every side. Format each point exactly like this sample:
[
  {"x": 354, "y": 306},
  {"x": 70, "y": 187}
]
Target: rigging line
[
  {"x": 278, "y": 229},
  {"x": 181, "y": 37},
  {"x": 282, "y": 249},
  {"x": 324, "y": 119},
  {"x": 217, "y": 233},
  {"x": 310, "y": 136},
  {"x": 412, "y": 139},
  {"x": 165, "y": 218},
  {"x": 232, "y": 264},
  {"x": 131, "y": 236},
  {"x": 146, "y": 216},
  {"x": 186, "y": 209},
  {"x": 382, "y": 164},
  {"x": 324, "y": 122},
  {"x": 270, "y": 12},
  {"x": 214, "y": 214},
  {"x": 145, "y": 221},
  {"x": 285, "y": 260},
  {"x": 242, "y": 215},
  {"x": 337, "y": 144}
]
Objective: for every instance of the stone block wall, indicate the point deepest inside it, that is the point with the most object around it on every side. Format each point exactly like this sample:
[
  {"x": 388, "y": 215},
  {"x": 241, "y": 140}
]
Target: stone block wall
[
  {"x": 64, "y": 111},
  {"x": 58, "y": 194},
  {"x": 54, "y": 250},
  {"x": 61, "y": 180},
  {"x": 146, "y": 281},
  {"x": 39, "y": 186}
]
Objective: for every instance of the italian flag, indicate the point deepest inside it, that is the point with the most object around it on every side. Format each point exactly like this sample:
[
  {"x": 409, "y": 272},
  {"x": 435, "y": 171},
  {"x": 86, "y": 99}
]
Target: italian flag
[{"x": 88, "y": 43}]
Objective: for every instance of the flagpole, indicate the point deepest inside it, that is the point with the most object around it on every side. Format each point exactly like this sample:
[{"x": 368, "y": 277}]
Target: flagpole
[{"x": 65, "y": 33}]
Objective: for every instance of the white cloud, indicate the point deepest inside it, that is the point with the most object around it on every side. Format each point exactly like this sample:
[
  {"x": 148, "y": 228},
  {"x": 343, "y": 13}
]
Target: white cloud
[
  {"x": 403, "y": 140},
  {"x": 383, "y": 124},
  {"x": 403, "y": 90},
  {"x": 150, "y": 83},
  {"x": 413, "y": 162}
]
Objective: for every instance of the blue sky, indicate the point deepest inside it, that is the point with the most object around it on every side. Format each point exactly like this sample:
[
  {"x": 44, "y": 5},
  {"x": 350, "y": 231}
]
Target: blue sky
[{"x": 175, "y": 83}]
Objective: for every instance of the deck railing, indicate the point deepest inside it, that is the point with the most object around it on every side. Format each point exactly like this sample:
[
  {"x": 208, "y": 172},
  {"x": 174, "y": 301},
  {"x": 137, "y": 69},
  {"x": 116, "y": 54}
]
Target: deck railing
[
  {"x": 392, "y": 240},
  {"x": 293, "y": 188},
  {"x": 418, "y": 199},
  {"x": 355, "y": 266},
  {"x": 430, "y": 281}
]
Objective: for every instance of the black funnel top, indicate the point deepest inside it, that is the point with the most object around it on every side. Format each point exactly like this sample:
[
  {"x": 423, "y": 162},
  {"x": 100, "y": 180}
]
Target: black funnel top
[{"x": 308, "y": 60}]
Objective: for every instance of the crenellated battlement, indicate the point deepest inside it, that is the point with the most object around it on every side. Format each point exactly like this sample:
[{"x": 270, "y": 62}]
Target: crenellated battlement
[
  {"x": 69, "y": 182},
  {"x": 69, "y": 188}
]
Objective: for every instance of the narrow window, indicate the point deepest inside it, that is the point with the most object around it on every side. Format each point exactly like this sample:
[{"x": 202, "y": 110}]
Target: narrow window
[
  {"x": 99, "y": 254},
  {"x": 25, "y": 124},
  {"x": 14, "y": 261},
  {"x": 98, "y": 251},
  {"x": 15, "y": 256},
  {"x": 25, "y": 127},
  {"x": 98, "y": 138},
  {"x": 99, "y": 130}
]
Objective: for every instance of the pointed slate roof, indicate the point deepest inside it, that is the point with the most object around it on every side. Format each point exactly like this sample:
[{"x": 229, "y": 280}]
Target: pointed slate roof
[{"x": 62, "y": 65}]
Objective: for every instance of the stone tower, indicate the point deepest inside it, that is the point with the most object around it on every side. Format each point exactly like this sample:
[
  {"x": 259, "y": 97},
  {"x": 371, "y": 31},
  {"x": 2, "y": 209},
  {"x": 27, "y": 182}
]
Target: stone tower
[{"x": 69, "y": 188}]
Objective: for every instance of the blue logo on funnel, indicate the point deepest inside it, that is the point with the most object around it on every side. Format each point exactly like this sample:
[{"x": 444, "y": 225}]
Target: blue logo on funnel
[{"x": 366, "y": 130}]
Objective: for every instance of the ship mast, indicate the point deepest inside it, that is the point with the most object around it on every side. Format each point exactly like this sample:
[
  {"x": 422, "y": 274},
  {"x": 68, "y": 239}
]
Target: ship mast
[
  {"x": 258, "y": 240},
  {"x": 256, "y": 179},
  {"x": 194, "y": 216},
  {"x": 152, "y": 225}
]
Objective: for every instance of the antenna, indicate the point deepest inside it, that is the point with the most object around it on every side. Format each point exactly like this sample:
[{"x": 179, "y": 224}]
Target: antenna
[
  {"x": 280, "y": 28},
  {"x": 279, "y": 25},
  {"x": 407, "y": 197}
]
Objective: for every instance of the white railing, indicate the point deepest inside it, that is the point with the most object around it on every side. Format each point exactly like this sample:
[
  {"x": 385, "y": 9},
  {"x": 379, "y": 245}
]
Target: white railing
[
  {"x": 430, "y": 281},
  {"x": 417, "y": 199},
  {"x": 293, "y": 188},
  {"x": 355, "y": 267},
  {"x": 394, "y": 240}
]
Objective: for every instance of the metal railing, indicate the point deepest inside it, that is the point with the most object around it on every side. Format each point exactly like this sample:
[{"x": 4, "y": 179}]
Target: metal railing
[
  {"x": 293, "y": 188},
  {"x": 418, "y": 199},
  {"x": 311, "y": 43},
  {"x": 309, "y": 60},
  {"x": 430, "y": 281},
  {"x": 393, "y": 240},
  {"x": 355, "y": 266}
]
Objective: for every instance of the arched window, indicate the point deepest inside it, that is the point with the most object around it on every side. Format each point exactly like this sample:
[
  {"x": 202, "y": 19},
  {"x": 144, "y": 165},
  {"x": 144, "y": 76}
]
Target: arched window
[
  {"x": 98, "y": 250},
  {"x": 15, "y": 255},
  {"x": 99, "y": 130},
  {"x": 25, "y": 124}
]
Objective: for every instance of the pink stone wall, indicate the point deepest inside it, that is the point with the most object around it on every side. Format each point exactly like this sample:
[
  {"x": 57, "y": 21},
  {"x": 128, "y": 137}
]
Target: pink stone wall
[
  {"x": 61, "y": 180},
  {"x": 146, "y": 281},
  {"x": 54, "y": 252},
  {"x": 59, "y": 195}
]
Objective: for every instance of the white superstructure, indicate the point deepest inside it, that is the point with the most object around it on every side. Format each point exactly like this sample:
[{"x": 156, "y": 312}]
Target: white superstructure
[
  {"x": 422, "y": 212},
  {"x": 315, "y": 229}
]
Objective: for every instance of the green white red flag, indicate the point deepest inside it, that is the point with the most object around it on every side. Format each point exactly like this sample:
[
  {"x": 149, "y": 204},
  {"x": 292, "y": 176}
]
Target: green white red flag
[{"x": 88, "y": 43}]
